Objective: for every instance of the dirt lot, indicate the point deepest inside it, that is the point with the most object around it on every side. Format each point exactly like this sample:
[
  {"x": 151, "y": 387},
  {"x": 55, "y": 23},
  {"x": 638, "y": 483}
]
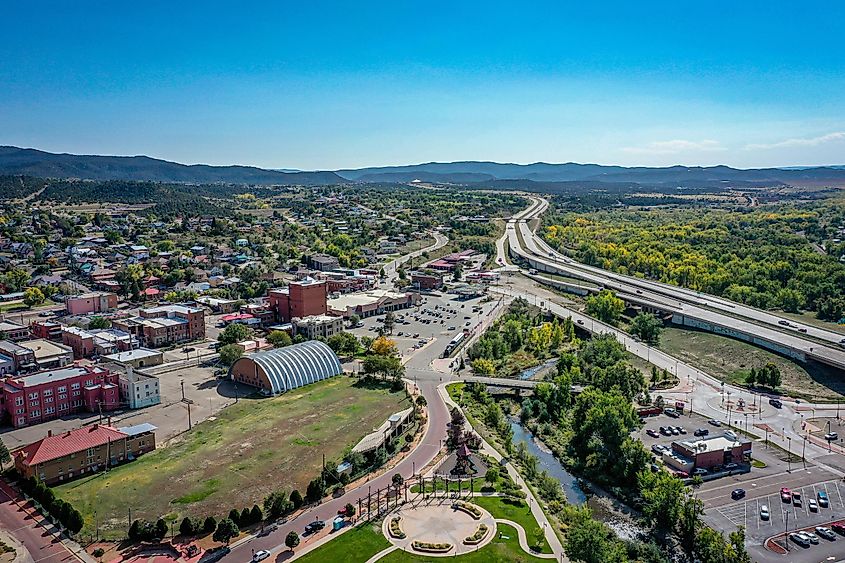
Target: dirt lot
[
  {"x": 731, "y": 360},
  {"x": 237, "y": 457}
]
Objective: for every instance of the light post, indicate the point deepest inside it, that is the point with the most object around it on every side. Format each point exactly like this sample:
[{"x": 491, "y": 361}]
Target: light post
[{"x": 789, "y": 454}]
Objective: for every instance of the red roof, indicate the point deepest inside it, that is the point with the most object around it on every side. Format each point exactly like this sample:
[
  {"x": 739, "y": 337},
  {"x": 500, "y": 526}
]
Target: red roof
[
  {"x": 236, "y": 317},
  {"x": 66, "y": 443},
  {"x": 151, "y": 291}
]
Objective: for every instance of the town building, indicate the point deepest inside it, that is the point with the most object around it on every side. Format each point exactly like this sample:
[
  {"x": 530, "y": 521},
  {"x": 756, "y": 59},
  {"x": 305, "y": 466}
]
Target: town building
[
  {"x": 136, "y": 358},
  {"x": 76, "y": 453},
  {"x": 450, "y": 261},
  {"x": 708, "y": 452},
  {"x": 48, "y": 355},
  {"x": 282, "y": 369},
  {"x": 41, "y": 396},
  {"x": 138, "y": 389},
  {"x": 88, "y": 303},
  {"x": 389, "y": 429},
  {"x": 315, "y": 326},
  {"x": 13, "y": 331},
  {"x": 299, "y": 299},
  {"x": 322, "y": 262},
  {"x": 426, "y": 281},
  {"x": 165, "y": 325},
  {"x": 22, "y": 359},
  {"x": 48, "y": 330},
  {"x": 369, "y": 303},
  {"x": 85, "y": 343}
]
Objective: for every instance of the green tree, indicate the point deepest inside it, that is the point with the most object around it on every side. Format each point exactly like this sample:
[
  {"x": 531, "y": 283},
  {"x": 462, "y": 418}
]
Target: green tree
[
  {"x": 647, "y": 327},
  {"x": 229, "y": 354},
  {"x": 226, "y": 530},
  {"x": 209, "y": 524},
  {"x": 483, "y": 366},
  {"x": 605, "y": 306},
  {"x": 492, "y": 475},
  {"x": 234, "y": 333},
  {"x": 751, "y": 378},
  {"x": 589, "y": 541},
  {"x": 279, "y": 338},
  {"x": 389, "y": 320},
  {"x": 296, "y": 499},
  {"x": 662, "y": 496},
  {"x": 33, "y": 296},
  {"x": 292, "y": 540},
  {"x": 99, "y": 322},
  {"x": 349, "y": 510},
  {"x": 5, "y": 456},
  {"x": 186, "y": 528}
]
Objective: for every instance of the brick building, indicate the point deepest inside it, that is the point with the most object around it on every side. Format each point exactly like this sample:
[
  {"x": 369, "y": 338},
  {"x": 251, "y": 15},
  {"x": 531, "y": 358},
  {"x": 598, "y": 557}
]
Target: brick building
[
  {"x": 83, "y": 451},
  {"x": 13, "y": 331},
  {"x": 88, "y": 303},
  {"x": 322, "y": 326},
  {"x": 165, "y": 325},
  {"x": 86, "y": 343},
  {"x": 708, "y": 452},
  {"x": 299, "y": 299},
  {"x": 21, "y": 359},
  {"x": 41, "y": 396},
  {"x": 426, "y": 281},
  {"x": 47, "y": 330}
]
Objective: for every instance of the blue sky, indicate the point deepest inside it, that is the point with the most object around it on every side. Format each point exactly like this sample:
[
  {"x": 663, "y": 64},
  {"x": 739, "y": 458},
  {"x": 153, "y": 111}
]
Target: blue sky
[{"x": 324, "y": 85}]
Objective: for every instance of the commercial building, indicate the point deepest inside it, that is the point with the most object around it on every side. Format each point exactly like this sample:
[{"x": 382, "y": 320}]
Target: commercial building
[
  {"x": 299, "y": 299},
  {"x": 708, "y": 452},
  {"x": 369, "y": 303},
  {"x": 13, "y": 331},
  {"x": 165, "y": 325},
  {"x": 450, "y": 261},
  {"x": 315, "y": 326},
  {"x": 85, "y": 343},
  {"x": 83, "y": 451},
  {"x": 426, "y": 281},
  {"x": 48, "y": 330},
  {"x": 89, "y": 303},
  {"x": 282, "y": 369},
  {"x": 48, "y": 355},
  {"x": 41, "y": 396}
]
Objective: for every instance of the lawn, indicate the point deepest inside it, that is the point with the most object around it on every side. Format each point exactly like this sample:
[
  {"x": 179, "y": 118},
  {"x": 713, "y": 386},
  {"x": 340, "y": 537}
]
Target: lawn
[
  {"x": 354, "y": 546},
  {"x": 519, "y": 514},
  {"x": 235, "y": 459},
  {"x": 361, "y": 543},
  {"x": 730, "y": 360}
]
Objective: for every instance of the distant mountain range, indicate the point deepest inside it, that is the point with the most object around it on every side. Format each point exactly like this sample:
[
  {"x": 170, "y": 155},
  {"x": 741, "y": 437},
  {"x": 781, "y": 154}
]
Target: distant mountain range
[{"x": 32, "y": 162}]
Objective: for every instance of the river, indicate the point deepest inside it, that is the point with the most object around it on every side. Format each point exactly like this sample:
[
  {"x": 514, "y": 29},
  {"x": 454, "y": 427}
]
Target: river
[{"x": 616, "y": 515}]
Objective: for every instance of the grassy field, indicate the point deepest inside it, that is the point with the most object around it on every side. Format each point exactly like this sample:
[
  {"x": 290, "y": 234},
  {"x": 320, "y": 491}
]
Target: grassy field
[
  {"x": 730, "y": 360},
  {"x": 355, "y": 546},
  {"x": 235, "y": 459},
  {"x": 519, "y": 514}
]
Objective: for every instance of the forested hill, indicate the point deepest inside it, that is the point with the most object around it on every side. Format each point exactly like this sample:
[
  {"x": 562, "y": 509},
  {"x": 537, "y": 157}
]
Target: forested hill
[{"x": 31, "y": 162}]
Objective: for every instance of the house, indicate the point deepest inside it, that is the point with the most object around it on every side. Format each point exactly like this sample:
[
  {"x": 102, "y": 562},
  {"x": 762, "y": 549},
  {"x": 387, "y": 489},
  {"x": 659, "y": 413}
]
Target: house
[{"x": 82, "y": 451}]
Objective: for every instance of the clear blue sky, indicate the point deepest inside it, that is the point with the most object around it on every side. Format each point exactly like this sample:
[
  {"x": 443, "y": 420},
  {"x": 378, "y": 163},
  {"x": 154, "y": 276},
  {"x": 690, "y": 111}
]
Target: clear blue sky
[{"x": 319, "y": 85}]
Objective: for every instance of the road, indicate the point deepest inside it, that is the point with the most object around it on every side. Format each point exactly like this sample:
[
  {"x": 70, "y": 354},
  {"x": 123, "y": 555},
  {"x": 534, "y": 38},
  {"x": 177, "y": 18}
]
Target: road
[
  {"x": 391, "y": 269},
  {"x": 764, "y": 327}
]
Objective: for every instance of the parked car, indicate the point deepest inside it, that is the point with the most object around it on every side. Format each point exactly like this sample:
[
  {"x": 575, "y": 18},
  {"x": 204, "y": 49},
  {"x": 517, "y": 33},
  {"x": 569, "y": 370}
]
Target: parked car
[
  {"x": 831, "y": 436},
  {"x": 825, "y": 532},
  {"x": 737, "y": 494},
  {"x": 783, "y": 323},
  {"x": 653, "y": 433},
  {"x": 314, "y": 526},
  {"x": 261, "y": 555},
  {"x": 674, "y": 431},
  {"x": 799, "y": 539},
  {"x": 838, "y": 527},
  {"x": 810, "y": 536},
  {"x": 730, "y": 466},
  {"x": 731, "y": 435},
  {"x": 701, "y": 432},
  {"x": 764, "y": 512},
  {"x": 785, "y": 494},
  {"x": 671, "y": 412},
  {"x": 777, "y": 403},
  {"x": 665, "y": 431},
  {"x": 714, "y": 422},
  {"x": 823, "y": 500},
  {"x": 681, "y": 429},
  {"x": 658, "y": 449},
  {"x": 813, "y": 505},
  {"x": 699, "y": 471},
  {"x": 796, "y": 498}
]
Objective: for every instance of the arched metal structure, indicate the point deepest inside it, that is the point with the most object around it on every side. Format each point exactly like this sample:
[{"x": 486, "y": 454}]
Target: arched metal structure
[{"x": 283, "y": 369}]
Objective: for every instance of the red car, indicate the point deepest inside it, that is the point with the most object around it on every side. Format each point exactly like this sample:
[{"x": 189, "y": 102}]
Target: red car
[
  {"x": 785, "y": 495},
  {"x": 838, "y": 527}
]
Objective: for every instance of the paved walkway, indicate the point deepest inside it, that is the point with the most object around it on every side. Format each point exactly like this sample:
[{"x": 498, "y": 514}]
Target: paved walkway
[
  {"x": 439, "y": 523},
  {"x": 523, "y": 539}
]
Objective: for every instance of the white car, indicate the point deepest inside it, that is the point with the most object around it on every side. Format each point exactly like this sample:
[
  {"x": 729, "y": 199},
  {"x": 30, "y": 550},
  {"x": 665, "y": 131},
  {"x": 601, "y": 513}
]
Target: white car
[
  {"x": 812, "y": 505},
  {"x": 764, "y": 512},
  {"x": 261, "y": 555},
  {"x": 810, "y": 537}
]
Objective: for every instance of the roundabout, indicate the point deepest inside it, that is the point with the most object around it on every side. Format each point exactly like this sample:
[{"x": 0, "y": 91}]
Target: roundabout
[{"x": 443, "y": 529}]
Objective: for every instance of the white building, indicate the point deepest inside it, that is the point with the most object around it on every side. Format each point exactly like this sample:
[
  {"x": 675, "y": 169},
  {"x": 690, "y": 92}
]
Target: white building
[{"x": 317, "y": 325}]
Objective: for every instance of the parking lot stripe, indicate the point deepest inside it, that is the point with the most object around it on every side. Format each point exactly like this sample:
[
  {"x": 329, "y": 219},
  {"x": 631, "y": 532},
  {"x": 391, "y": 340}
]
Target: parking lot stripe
[{"x": 839, "y": 494}]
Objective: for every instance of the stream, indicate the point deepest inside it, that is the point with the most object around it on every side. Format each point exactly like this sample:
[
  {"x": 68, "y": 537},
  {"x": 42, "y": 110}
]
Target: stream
[{"x": 616, "y": 515}]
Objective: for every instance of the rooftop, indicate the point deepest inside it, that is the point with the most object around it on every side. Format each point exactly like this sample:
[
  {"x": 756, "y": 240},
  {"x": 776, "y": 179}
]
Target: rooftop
[
  {"x": 131, "y": 355},
  {"x": 72, "y": 441},
  {"x": 45, "y": 349},
  {"x": 42, "y": 377}
]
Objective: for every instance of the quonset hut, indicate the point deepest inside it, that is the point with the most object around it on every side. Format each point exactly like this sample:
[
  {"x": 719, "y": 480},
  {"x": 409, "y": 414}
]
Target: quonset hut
[{"x": 283, "y": 369}]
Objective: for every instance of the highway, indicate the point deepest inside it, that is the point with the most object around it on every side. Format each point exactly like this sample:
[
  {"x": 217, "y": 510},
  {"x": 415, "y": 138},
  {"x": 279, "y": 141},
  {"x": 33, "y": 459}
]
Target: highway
[{"x": 688, "y": 307}]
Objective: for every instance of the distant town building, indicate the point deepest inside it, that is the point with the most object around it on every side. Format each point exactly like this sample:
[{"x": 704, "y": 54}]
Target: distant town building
[
  {"x": 83, "y": 451},
  {"x": 22, "y": 359},
  {"x": 89, "y": 303},
  {"x": 426, "y": 281},
  {"x": 13, "y": 331},
  {"x": 48, "y": 355},
  {"x": 314, "y": 326},
  {"x": 137, "y": 389},
  {"x": 37, "y": 397},
  {"x": 165, "y": 325},
  {"x": 322, "y": 262},
  {"x": 48, "y": 330},
  {"x": 136, "y": 358},
  {"x": 299, "y": 299},
  {"x": 86, "y": 343},
  {"x": 369, "y": 303}
]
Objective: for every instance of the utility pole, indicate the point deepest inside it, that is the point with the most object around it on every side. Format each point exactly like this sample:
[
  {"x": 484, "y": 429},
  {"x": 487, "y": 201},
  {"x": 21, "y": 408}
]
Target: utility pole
[
  {"x": 786, "y": 532},
  {"x": 789, "y": 454}
]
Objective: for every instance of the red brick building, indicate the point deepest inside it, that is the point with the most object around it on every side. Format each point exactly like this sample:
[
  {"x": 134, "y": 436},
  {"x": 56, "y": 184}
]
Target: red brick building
[
  {"x": 82, "y": 451},
  {"x": 165, "y": 325},
  {"x": 88, "y": 303},
  {"x": 427, "y": 281},
  {"x": 38, "y": 397},
  {"x": 300, "y": 299}
]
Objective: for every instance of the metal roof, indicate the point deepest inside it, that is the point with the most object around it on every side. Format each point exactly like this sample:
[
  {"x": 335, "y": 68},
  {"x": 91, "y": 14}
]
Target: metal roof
[{"x": 296, "y": 365}]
